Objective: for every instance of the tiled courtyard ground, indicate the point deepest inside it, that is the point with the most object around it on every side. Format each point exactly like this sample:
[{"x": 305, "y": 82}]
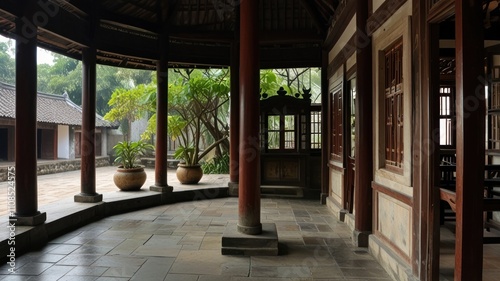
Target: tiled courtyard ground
[{"x": 182, "y": 242}]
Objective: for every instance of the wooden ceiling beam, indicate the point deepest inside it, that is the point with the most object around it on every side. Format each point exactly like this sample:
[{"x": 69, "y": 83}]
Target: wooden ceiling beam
[
  {"x": 266, "y": 37},
  {"x": 317, "y": 19},
  {"x": 125, "y": 20}
]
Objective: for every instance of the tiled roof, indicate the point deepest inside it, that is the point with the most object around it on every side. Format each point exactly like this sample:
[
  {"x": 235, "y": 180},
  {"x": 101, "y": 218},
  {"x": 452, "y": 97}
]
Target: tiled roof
[{"x": 50, "y": 108}]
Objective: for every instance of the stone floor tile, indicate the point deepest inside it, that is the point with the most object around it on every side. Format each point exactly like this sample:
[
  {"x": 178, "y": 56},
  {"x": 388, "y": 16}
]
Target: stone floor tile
[
  {"x": 157, "y": 251},
  {"x": 327, "y": 272},
  {"x": 121, "y": 271},
  {"x": 33, "y": 268},
  {"x": 64, "y": 249},
  {"x": 154, "y": 268},
  {"x": 127, "y": 247},
  {"x": 79, "y": 259},
  {"x": 203, "y": 262},
  {"x": 55, "y": 272},
  {"x": 45, "y": 257},
  {"x": 214, "y": 278},
  {"x": 119, "y": 261},
  {"x": 91, "y": 249},
  {"x": 181, "y": 277},
  {"x": 87, "y": 270},
  {"x": 211, "y": 243},
  {"x": 105, "y": 278},
  {"x": 360, "y": 273},
  {"x": 14, "y": 277},
  {"x": 77, "y": 278},
  {"x": 281, "y": 271}
]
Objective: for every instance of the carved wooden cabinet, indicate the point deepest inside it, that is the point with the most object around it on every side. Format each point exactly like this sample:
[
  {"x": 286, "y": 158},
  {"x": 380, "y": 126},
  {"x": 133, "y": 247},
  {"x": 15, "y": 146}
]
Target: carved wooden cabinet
[{"x": 285, "y": 123}]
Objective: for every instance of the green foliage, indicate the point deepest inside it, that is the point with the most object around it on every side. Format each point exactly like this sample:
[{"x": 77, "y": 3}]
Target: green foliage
[
  {"x": 198, "y": 112},
  {"x": 218, "y": 165},
  {"x": 7, "y": 64},
  {"x": 127, "y": 104},
  {"x": 127, "y": 153}
]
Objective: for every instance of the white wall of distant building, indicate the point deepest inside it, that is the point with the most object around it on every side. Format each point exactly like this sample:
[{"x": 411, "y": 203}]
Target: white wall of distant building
[{"x": 63, "y": 142}]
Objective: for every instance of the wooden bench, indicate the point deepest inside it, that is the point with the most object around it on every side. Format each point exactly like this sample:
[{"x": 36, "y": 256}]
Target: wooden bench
[{"x": 489, "y": 205}]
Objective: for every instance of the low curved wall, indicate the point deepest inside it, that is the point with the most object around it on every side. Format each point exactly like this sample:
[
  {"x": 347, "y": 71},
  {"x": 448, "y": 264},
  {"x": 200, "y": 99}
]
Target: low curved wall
[{"x": 58, "y": 166}]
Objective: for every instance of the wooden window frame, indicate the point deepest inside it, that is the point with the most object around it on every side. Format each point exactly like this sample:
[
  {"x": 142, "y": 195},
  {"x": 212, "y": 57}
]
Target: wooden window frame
[
  {"x": 337, "y": 125},
  {"x": 394, "y": 106}
]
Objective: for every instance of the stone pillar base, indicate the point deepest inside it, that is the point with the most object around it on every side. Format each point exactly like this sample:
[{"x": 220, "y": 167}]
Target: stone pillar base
[
  {"x": 37, "y": 219},
  {"x": 233, "y": 189},
  {"x": 360, "y": 238},
  {"x": 323, "y": 197},
  {"x": 237, "y": 243},
  {"x": 162, "y": 189},
  {"x": 88, "y": 198},
  {"x": 342, "y": 214}
]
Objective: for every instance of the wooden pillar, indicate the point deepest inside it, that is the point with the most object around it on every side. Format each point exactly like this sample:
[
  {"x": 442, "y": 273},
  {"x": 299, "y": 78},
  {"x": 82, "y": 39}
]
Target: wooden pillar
[
  {"x": 161, "y": 150},
  {"x": 364, "y": 119},
  {"x": 324, "y": 127},
  {"x": 249, "y": 191},
  {"x": 470, "y": 107},
  {"x": 88, "y": 173},
  {"x": 26, "y": 125},
  {"x": 234, "y": 137},
  {"x": 425, "y": 82}
]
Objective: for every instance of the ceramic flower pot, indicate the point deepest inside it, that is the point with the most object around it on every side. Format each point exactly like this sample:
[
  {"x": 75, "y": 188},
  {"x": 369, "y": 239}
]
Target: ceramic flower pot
[
  {"x": 130, "y": 179},
  {"x": 189, "y": 174}
]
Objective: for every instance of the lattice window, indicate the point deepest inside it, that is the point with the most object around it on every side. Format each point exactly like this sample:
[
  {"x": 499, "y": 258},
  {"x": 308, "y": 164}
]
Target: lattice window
[
  {"x": 337, "y": 125},
  {"x": 281, "y": 132},
  {"x": 315, "y": 129},
  {"x": 494, "y": 109},
  {"x": 289, "y": 131},
  {"x": 273, "y": 132},
  {"x": 447, "y": 115},
  {"x": 394, "y": 97}
]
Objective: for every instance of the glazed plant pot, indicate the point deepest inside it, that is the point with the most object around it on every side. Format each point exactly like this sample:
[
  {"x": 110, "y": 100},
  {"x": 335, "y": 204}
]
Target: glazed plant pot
[
  {"x": 129, "y": 179},
  {"x": 189, "y": 174}
]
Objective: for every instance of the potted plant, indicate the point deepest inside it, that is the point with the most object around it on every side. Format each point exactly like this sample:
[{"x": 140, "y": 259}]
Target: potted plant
[
  {"x": 198, "y": 107},
  {"x": 189, "y": 169},
  {"x": 129, "y": 175}
]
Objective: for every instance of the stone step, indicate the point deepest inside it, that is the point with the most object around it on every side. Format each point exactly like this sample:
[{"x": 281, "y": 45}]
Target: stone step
[
  {"x": 282, "y": 191},
  {"x": 250, "y": 251},
  {"x": 264, "y": 244}
]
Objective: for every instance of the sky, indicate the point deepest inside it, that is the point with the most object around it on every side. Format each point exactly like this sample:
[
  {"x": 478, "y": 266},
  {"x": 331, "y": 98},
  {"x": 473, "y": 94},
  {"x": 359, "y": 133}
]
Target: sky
[{"x": 43, "y": 56}]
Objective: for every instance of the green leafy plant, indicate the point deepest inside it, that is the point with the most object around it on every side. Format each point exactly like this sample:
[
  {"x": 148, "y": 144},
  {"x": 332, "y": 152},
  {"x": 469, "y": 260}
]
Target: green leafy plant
[
  {"x": 218, "y": 165},
  {"x": 187, "y": 151},
  {"x": 128, "y": 152}
]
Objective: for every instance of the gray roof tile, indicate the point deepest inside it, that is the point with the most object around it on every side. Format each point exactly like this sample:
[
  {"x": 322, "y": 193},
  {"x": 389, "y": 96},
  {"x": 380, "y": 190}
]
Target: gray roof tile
[{"x": 50, "y": 108}]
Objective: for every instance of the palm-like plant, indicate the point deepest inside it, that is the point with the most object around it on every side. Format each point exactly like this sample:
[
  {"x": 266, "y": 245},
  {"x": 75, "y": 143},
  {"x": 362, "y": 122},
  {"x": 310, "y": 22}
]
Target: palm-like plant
[{"x": 128, "y": 152}]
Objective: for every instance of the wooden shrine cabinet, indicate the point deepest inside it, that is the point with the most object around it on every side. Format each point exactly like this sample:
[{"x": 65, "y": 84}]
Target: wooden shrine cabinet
[{"x": 285, "y": 128}]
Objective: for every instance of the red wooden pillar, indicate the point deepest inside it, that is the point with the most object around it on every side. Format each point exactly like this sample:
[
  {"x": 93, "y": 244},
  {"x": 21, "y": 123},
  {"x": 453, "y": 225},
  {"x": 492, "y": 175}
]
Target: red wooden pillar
[
  {"x": 471, "y": 108},
  {"x": 249, "y": 191},
  {"x": 25, "y": 131},
  {"x": 324, "y": 127},
  {"x": 234, "y": 137},
  {"x": 364, "y": 117},
  {"x": 161, "y": 149},
  {"x": 88, "y": 173}
]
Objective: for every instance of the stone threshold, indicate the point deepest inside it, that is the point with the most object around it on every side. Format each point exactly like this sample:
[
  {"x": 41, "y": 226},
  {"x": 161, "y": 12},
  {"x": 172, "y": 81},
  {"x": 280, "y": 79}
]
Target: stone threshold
[{"x": 66, "y": 215}]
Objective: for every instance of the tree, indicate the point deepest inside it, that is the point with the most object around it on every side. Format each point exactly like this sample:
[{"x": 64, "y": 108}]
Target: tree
[
  {"x": 126, "y": 105},
  {"x": 7, "y": 64},
  {"x": 200, "y": 99}
]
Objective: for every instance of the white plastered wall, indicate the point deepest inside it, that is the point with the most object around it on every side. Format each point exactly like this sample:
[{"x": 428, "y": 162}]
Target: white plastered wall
[{"x": 63, "y": 147}]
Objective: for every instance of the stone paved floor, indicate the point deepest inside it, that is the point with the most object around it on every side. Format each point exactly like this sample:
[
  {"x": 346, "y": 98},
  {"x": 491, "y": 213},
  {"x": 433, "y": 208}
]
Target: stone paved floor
[
  {"x": 182, "y": 242},
  {"x": 54, "y": 187}
]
